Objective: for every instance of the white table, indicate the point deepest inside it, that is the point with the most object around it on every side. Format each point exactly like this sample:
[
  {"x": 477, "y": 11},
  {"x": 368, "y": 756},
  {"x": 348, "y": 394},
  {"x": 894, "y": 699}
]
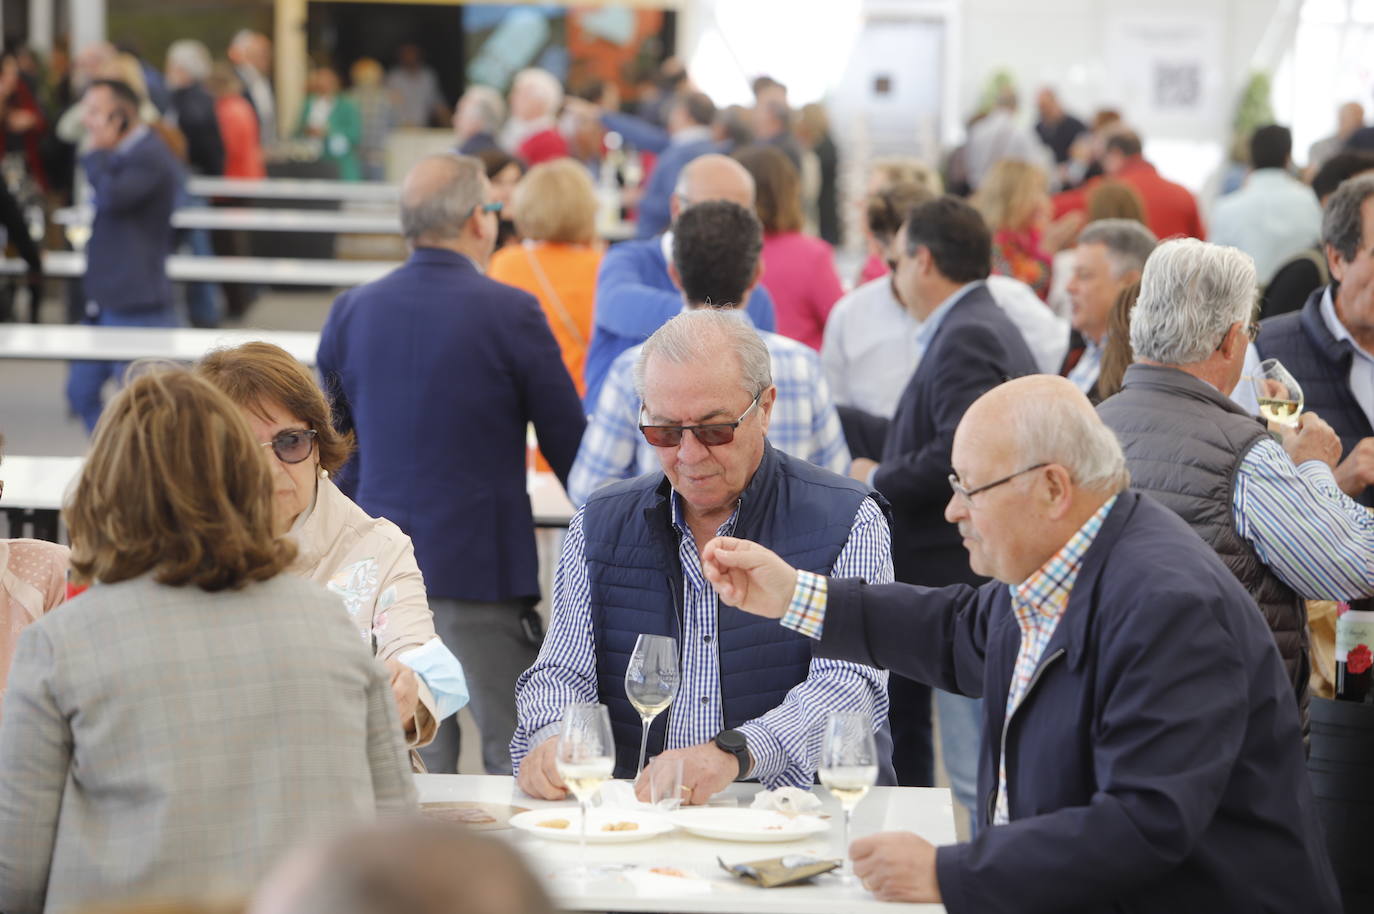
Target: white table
[
  {"x": 926, "y": 811},
  {"x": 35, "y": 488},
  {"x": 254, "y": 219},
  {"x": 125, "y": 344},
  {"x": 274, "y": 271},
  {"x": 294, "y": 189}
]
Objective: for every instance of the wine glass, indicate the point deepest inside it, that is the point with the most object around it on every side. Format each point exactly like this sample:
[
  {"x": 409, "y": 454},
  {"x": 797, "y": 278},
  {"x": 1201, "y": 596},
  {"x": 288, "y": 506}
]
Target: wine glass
[
  {"x": 586, "y": 758},
  {"x": 849, "y": 766},
  {"x": 651, "y": 682},
  {"x": 1279, "y": 394}
]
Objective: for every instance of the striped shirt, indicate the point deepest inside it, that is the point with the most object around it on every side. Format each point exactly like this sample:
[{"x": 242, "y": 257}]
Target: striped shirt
[
  {"x": 804, "y": 422},
  {"x": 1038, "y": 603},
  {"x": 1318, "y": 540},
  {"x": 785, "y": 742}
]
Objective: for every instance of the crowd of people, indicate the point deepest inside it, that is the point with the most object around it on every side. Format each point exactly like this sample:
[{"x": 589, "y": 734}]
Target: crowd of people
[{"x": 1014, "y": 476}]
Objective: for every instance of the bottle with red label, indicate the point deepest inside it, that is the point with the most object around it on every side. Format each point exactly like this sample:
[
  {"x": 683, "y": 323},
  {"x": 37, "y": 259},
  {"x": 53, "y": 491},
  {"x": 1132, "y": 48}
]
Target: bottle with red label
[{"x": 1355, "y": 651}]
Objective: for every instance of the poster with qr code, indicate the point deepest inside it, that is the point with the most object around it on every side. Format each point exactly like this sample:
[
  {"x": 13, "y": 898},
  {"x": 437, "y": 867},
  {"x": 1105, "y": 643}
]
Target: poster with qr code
[{"x": 1168, "y": 70}]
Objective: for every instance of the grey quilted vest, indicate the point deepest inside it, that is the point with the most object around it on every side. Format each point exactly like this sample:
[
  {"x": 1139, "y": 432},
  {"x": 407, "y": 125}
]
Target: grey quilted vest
[{"x": 1184, "y": 442}]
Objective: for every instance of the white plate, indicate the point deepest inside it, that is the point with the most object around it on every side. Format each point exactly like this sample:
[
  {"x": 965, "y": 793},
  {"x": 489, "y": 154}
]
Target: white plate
[
  {"x": 650, "y": 824},
  {"x": 747, "y": 824}
]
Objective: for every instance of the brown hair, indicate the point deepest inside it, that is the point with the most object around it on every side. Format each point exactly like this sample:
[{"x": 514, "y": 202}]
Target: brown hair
[
  {"x": 556, "y": 202},
  {"x": 174, "y": 485},
  {"x": 1115, "y": 200},
  {"x": 1117, "y": 353},
  {"x": 888, "y": 208},
  {"x": 777, "y": 188},
  {"x": 258, "y": 375},
  {"x": 1009, "y": 195}
]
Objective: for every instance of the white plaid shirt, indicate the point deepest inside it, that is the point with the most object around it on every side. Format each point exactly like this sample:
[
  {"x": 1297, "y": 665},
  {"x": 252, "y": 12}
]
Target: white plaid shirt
[
  {"x": 1039, "y": 603},
  {"x": 785, "y": 742},
  {"x": 804, "y": 423}
]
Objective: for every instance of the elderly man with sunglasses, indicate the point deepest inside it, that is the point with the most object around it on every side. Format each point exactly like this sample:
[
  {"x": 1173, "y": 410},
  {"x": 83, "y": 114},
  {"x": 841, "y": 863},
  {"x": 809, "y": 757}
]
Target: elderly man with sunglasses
[
  {"x": 753, "y": 699},
  {"x": 1271, "y": 508},
  {"x": 1141, "y": 749}
]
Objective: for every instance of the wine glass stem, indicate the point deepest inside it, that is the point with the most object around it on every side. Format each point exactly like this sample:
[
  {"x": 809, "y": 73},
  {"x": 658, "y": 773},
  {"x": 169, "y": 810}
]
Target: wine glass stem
[
  {"x": 643, "y": 747},
  {"x": 582, "y": 840},
  {"x": 848, "y": 866}
]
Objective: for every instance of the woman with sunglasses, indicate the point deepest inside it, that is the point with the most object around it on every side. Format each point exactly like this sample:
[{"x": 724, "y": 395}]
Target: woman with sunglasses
[{"x": 367, "y": 561}]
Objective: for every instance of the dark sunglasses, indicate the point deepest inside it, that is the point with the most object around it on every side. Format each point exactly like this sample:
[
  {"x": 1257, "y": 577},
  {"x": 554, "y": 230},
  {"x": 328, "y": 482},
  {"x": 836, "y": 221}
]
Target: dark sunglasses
[
  {"x": 292, "y": 445},
  {"x": 712, "y": 435}
]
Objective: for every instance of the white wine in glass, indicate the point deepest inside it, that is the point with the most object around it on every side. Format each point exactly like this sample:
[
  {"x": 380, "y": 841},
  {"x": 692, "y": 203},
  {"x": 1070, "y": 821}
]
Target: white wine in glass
[
  {"x": 1278, "y": 392},
  {"x": 651, "y": 683},
  {"x": 849, "y": 767},
  {"x": 585, "y": 761}
]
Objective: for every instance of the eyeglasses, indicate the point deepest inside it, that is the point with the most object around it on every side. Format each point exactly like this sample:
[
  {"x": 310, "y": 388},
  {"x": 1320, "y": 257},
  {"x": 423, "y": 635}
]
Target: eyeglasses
[
  {"x": 293, "y": 444},
  {"x": 492, "y": 207},
  {"x": 714, "y": 434},
  {"x": 1252, "y": 331},
  {"x": 968, "y": 494}
]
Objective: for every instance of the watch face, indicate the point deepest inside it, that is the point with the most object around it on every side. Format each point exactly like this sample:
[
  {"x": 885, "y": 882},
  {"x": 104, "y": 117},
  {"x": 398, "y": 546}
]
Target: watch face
[{"x": 730, "y": 740}]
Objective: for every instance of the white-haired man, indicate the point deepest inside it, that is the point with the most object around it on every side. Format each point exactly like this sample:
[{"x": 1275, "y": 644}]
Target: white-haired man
[
  {"x": 477, "y": 119},
  {"x": 1272, "y": 511},
  {"x": 532, "y": 131},
  {"x": 1108, "y": 257},
  {"x": 1141, "y": 749},
  {"x": 251, "y": 54},
  {"x": 752, "y": 699}
]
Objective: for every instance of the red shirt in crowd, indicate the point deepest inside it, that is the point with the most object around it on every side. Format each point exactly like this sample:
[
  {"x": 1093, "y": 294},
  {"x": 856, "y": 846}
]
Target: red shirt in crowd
[
  {"x": 1170, "y": 209},
  {"x": 544, "y": 146},
  {"x": 238, "y": 127}
]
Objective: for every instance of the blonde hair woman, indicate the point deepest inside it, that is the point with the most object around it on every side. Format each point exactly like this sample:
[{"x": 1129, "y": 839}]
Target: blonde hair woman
[
  {"x": 1014, "y": 200},
  {"x": 555, "y": 213},
  {"x": 181, "y": 725}
]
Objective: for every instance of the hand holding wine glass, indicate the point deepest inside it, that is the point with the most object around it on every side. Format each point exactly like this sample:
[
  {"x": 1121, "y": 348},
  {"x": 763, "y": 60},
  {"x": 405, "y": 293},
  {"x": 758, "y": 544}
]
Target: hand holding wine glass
[
  {"x": 1278, "y": 392},
  {"x": 651, "y": 683},
  {"x": 848, "y": 765},
  {"x": 586, "y": 759}
]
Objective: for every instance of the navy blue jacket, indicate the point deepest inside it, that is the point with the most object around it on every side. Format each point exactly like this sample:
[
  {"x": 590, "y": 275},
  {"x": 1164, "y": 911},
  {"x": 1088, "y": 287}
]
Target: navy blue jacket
[
  {"x": 1321, "y": 364},
  {"x": 131, "y": 235},
  {"x": 800, "y": 511},
  {"x": 438, "y": 369},
  {"x": 1156, "y": 763},
  {"x": 634, "y": 297},
  {"x": 975, "y": 348}
]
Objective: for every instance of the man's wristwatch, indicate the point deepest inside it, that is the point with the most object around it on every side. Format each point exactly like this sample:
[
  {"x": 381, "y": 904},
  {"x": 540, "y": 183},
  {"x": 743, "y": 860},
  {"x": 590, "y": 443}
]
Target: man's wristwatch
[{"x": 733, "y": 742}]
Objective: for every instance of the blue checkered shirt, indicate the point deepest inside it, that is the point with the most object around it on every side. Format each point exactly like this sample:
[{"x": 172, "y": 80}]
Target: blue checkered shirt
[
  {"x": 785, "y": 742},
  {"x": 804, "y": 421}
]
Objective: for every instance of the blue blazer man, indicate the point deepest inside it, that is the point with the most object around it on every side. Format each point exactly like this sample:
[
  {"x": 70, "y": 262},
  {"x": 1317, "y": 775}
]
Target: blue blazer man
[
  {"x": 134, "y": 186},
  {"x": 439, "y": 371},
  {"x": 135, "y": 181}
]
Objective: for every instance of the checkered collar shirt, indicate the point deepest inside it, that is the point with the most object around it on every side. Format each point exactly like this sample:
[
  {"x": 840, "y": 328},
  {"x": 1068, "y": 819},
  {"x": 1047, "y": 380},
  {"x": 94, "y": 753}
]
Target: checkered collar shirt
[{"x": 1038, "y": 603}]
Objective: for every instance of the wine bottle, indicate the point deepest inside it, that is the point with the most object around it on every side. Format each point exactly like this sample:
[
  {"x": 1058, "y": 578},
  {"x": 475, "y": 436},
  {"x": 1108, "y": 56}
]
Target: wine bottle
[{"x": 1355, "y": 651}]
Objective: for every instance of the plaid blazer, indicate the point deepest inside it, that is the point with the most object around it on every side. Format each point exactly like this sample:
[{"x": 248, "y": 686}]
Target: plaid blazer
[{"x": 164, "y": 741}]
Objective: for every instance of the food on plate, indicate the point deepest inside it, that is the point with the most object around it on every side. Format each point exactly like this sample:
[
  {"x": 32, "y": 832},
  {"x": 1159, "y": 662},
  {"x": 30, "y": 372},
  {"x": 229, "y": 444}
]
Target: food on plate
[
  {"x": 670, "y": 871},
  {"x": 620, "y": 826},
  {"x": 554, "y": 823}
]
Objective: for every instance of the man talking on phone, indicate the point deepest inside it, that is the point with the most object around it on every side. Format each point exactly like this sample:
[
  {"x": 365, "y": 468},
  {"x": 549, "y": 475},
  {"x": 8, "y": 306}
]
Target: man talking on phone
[{"x": 134, "y": 180}]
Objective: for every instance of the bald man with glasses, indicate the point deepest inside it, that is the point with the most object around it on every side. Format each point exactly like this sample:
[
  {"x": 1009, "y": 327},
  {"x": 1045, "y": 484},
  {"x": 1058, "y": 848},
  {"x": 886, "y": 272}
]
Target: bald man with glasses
[{"x": 753, "y": 698}]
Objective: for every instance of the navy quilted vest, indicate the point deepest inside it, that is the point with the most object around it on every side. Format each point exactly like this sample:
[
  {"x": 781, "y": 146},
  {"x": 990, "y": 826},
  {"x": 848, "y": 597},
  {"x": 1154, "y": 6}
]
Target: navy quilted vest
[
  {"x": 798, "y": 510},
  {"x": 1321, "y": 364}
]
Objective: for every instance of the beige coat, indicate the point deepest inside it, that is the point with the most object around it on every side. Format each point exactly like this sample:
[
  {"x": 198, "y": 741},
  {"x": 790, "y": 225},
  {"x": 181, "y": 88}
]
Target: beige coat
[{"x": 370, "y": 563}]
